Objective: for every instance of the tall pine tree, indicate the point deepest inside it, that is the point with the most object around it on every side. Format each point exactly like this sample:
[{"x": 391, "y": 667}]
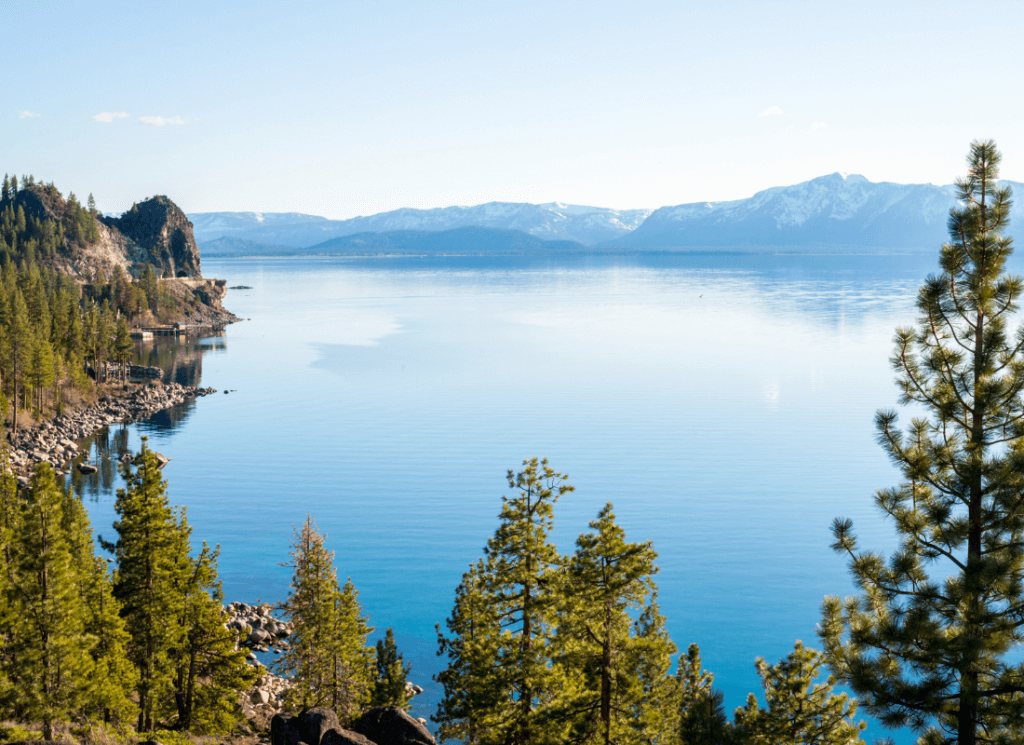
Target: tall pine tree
[
  {"x": 148, "y": 581},
  {"x": 601, "y": 650},
  {"x": 327, "y": 656},
  {"x": 49, "y": 645},
  {"x": 926, "y": 643}
]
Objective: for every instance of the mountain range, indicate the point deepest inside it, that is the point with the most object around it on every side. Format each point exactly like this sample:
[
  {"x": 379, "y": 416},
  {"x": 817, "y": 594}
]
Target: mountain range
[
  {"x": 838, "y": 212},
  {"x": 552, "y": 221}
]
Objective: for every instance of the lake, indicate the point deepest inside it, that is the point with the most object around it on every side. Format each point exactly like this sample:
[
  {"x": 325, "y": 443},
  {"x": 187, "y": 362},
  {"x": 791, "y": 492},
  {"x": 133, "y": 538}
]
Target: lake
[{"x": 724, "y": 404}]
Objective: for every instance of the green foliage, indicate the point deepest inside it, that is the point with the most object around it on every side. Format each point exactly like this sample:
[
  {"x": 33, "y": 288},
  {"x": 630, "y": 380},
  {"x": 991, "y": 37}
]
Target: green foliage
[
  {"x": 799, "y": 712},
  {"x": 210, "y": 668},
  {"x": 148, "y": 581},
  {"x": 47, "y": 654},
  {"x": 926, "y": 642},
  {"x": 328, "y": 657},
  {"x": 389, "y": 684},
  {"x": 189, "y": 671},
  {"x": 702, "y": 717},
  {"x": 16, "y": 733},
  {"x": 601, "y": 652},
  {"x": 471, "y": 692}
]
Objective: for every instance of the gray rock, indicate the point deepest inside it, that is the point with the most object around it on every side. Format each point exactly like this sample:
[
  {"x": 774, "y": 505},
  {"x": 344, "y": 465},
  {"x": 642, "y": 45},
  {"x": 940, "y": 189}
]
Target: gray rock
[
  {"x": 344, "y": 737},
  {"x": 313, "y": 723},
  {"x": 284, "y": 730},
  {"x": 389, "y": 725}
]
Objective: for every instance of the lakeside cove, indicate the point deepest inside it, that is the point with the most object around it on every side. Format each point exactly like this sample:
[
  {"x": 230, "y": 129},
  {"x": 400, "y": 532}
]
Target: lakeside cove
[{"x": 56, "y": 441}]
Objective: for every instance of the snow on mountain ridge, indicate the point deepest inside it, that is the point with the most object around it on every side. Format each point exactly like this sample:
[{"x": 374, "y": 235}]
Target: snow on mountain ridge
[
  {"x": 588, "y": 225},
  {"x": 835, "y": 209}
]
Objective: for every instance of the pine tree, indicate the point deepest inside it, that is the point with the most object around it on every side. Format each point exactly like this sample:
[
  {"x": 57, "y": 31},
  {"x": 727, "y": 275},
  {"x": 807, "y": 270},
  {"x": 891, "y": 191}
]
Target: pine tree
[
  {"x": 123, "y": 346},
  {"x": 148, "y": 580},
  {"x": 600, "y": 653},
  {"x": 209, "y": 668},
  {"x": 108, "y": 694},
  {"x": 702, "y": 718},
  {"x": 926, "y": 646},
  {"x": 389, "y": 684},
  {"x": 49, "y": 645},
  {"x": 521, "y": 585},
  {"x": 327, "y": 655},
  {"x": 471, "y": 688},
  {"x": 799, "y": 711},
  {"x": 19, "y": 346},
  {"x": 351, "y": 659}
]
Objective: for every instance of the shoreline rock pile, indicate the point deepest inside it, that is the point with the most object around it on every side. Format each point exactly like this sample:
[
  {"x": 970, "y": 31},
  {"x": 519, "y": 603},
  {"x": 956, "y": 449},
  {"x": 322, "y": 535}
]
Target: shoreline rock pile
[
  {"x": 54, "y": 441},
  {"x": 257, "y": 628}
]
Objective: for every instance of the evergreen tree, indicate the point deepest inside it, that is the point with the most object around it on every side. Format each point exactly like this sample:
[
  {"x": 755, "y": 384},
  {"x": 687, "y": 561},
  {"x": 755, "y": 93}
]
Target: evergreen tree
[
  {"x": 148, "y": 580},
  {"x": 927, "y": 646},
  {"x": 521, "y": 585},
  {"x": 91, "y": 203},
  {"x": 389, "y": 685},
  {"x": 799, "y": 711},
  {"x": 49, "y": 644},
  {"x": 471, "y": 690},
  {"x": 600, "y": 651},
  {"x": 209, "y": 667},
  {"x": 327, "y": 655},
  {"x": 123, "y": 346},
  {"x": 351, "y": 659},
  {"x": 19, "y": 346},
  {"x": 108, "y": 693}
]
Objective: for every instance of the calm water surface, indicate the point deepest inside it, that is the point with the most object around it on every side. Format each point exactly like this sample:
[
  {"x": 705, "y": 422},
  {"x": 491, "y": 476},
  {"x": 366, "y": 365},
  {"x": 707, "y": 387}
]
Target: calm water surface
[{"x": 723, "y": 404}]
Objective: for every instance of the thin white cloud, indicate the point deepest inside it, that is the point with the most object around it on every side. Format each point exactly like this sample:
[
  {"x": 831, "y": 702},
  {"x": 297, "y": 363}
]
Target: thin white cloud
[
  {"x": 819, "y": 125},
  {"x": 159, "y": 121},
  {"x": 109, "y": 116},
  {"x": 26, "y": 114},
  {"x": 771, "y": 111}
]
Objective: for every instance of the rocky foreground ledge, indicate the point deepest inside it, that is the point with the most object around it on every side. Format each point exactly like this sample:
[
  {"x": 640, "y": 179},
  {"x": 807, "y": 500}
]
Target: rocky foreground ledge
[{"x": 54, "y": 441}]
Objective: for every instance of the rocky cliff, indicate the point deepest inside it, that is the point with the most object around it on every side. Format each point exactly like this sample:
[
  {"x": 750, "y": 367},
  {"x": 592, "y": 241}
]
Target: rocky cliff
[
  {"x": 153, "y": 233},
  {"x": 162, "y": 231}
]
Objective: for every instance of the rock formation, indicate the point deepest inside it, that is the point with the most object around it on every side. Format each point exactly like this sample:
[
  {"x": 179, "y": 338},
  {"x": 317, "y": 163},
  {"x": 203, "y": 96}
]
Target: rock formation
[
  {"x": 153, "y": 233},
  {"x": 158, "y": 229}
]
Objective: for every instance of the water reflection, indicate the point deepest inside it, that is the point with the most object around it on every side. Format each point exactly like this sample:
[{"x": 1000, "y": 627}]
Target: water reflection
[
  {"x": 181, "y": 360},
  {"x": 180, "y": 357},
  {"x": 104, "y": 449}
]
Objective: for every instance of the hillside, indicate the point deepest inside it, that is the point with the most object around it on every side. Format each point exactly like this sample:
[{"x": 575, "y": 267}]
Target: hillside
[
  {"x": 462, "y": 241},
  {"x": 153, "y": 241},
  {"x": 834, "y": 211}
]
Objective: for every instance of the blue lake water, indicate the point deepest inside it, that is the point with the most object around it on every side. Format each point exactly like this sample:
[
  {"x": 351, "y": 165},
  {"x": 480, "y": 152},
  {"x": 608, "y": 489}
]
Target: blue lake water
[{"x": 724, "y": 404}]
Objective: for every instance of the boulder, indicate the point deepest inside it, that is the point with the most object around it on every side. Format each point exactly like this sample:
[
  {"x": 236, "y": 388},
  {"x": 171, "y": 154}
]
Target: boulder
[
  {"x": 344, "y": 737},
  {"x": 284, "y": 730},
  {"x": 313, "y": 723},
  {"x": 389, "y": 725},
  {"x": 259, "y": 697}
]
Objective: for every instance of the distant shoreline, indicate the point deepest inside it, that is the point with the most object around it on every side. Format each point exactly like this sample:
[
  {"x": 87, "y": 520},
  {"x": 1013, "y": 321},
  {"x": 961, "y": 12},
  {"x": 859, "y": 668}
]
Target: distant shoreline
[{"x": 588, "y": 251}]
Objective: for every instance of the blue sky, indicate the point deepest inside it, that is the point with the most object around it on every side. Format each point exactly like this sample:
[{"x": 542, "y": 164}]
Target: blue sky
[{"x": 342, "y": 109}]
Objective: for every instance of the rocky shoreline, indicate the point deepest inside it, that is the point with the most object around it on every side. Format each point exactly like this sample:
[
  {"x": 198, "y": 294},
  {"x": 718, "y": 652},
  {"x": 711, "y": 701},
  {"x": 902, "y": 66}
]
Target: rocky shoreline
[
  {"x": 260, "y": 631},
  {"x": 54, "y": 441}
]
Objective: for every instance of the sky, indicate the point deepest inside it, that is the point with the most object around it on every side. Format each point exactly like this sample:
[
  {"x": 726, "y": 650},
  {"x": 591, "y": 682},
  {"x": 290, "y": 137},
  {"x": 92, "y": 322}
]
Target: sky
[{"x": 343, "y": 109}]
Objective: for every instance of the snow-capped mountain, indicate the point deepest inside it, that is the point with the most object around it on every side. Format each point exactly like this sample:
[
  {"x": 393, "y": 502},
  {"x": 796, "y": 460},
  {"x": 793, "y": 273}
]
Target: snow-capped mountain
[
  {"x": 838, "y": 210},
  {"x": 552, "y": 221}
]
